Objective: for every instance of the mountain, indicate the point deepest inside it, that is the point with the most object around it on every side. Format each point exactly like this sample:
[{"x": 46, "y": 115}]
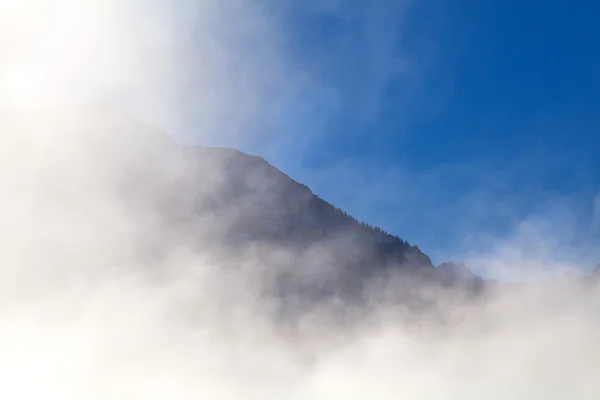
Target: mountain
[
  {"x": 231, "y": 204},
  {"x": 260, "y": 203},
  {"x": 238, "y": 209},
  {"x": 459, "y": 274}
]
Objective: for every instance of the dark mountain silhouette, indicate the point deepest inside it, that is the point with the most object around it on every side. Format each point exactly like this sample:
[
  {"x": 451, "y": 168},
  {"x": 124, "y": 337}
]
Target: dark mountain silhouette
[
  {"x": 238, "y": 207},
  {"x": 458, "y": 274}
]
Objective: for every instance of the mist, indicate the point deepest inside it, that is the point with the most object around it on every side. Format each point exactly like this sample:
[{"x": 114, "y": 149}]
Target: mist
[{"x": 107, "y": 289}]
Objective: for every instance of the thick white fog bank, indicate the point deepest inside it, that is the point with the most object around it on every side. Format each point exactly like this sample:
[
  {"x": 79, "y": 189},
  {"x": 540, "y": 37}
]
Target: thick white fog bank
[
  {"x": 86, "y": 313},
  {"x": 83, "y": 316}
]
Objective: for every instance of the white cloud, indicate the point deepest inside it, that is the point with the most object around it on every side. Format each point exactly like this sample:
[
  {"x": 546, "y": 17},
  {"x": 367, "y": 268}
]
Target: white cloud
[{"x": 81, "y": 316}]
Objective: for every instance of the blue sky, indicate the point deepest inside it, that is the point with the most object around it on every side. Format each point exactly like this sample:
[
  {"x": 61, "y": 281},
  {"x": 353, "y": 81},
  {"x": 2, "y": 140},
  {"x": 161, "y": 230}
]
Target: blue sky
[
  {"x": 465, "y": 127},
  {"x": 450, "y": 124}
]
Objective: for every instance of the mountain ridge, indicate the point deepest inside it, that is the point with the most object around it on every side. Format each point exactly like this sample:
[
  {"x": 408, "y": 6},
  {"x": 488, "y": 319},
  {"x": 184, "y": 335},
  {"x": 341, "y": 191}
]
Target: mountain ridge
[{"x": 232, "y": 205}]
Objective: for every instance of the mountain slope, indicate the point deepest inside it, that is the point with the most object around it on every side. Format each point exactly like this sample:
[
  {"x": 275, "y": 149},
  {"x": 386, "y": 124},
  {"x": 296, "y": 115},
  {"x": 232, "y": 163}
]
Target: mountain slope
[
  {"x": 270, "y": 206},
  {"x": 234, "y": 207}
]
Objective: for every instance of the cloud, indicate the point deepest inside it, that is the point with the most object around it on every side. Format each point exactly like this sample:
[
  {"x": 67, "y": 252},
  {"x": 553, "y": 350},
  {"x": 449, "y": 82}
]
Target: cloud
[{"x": 88, "y": 311}]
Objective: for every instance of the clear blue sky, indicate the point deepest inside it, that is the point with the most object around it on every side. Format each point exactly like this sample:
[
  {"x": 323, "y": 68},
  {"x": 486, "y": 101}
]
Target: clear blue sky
[
  {"x": 449, "y": 122},
  {"x": 459, "y": 125}
]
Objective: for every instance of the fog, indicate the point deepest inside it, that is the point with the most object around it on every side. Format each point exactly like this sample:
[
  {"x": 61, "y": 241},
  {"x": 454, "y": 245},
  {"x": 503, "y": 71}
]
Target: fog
[{"x": 102, "y": 299}]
